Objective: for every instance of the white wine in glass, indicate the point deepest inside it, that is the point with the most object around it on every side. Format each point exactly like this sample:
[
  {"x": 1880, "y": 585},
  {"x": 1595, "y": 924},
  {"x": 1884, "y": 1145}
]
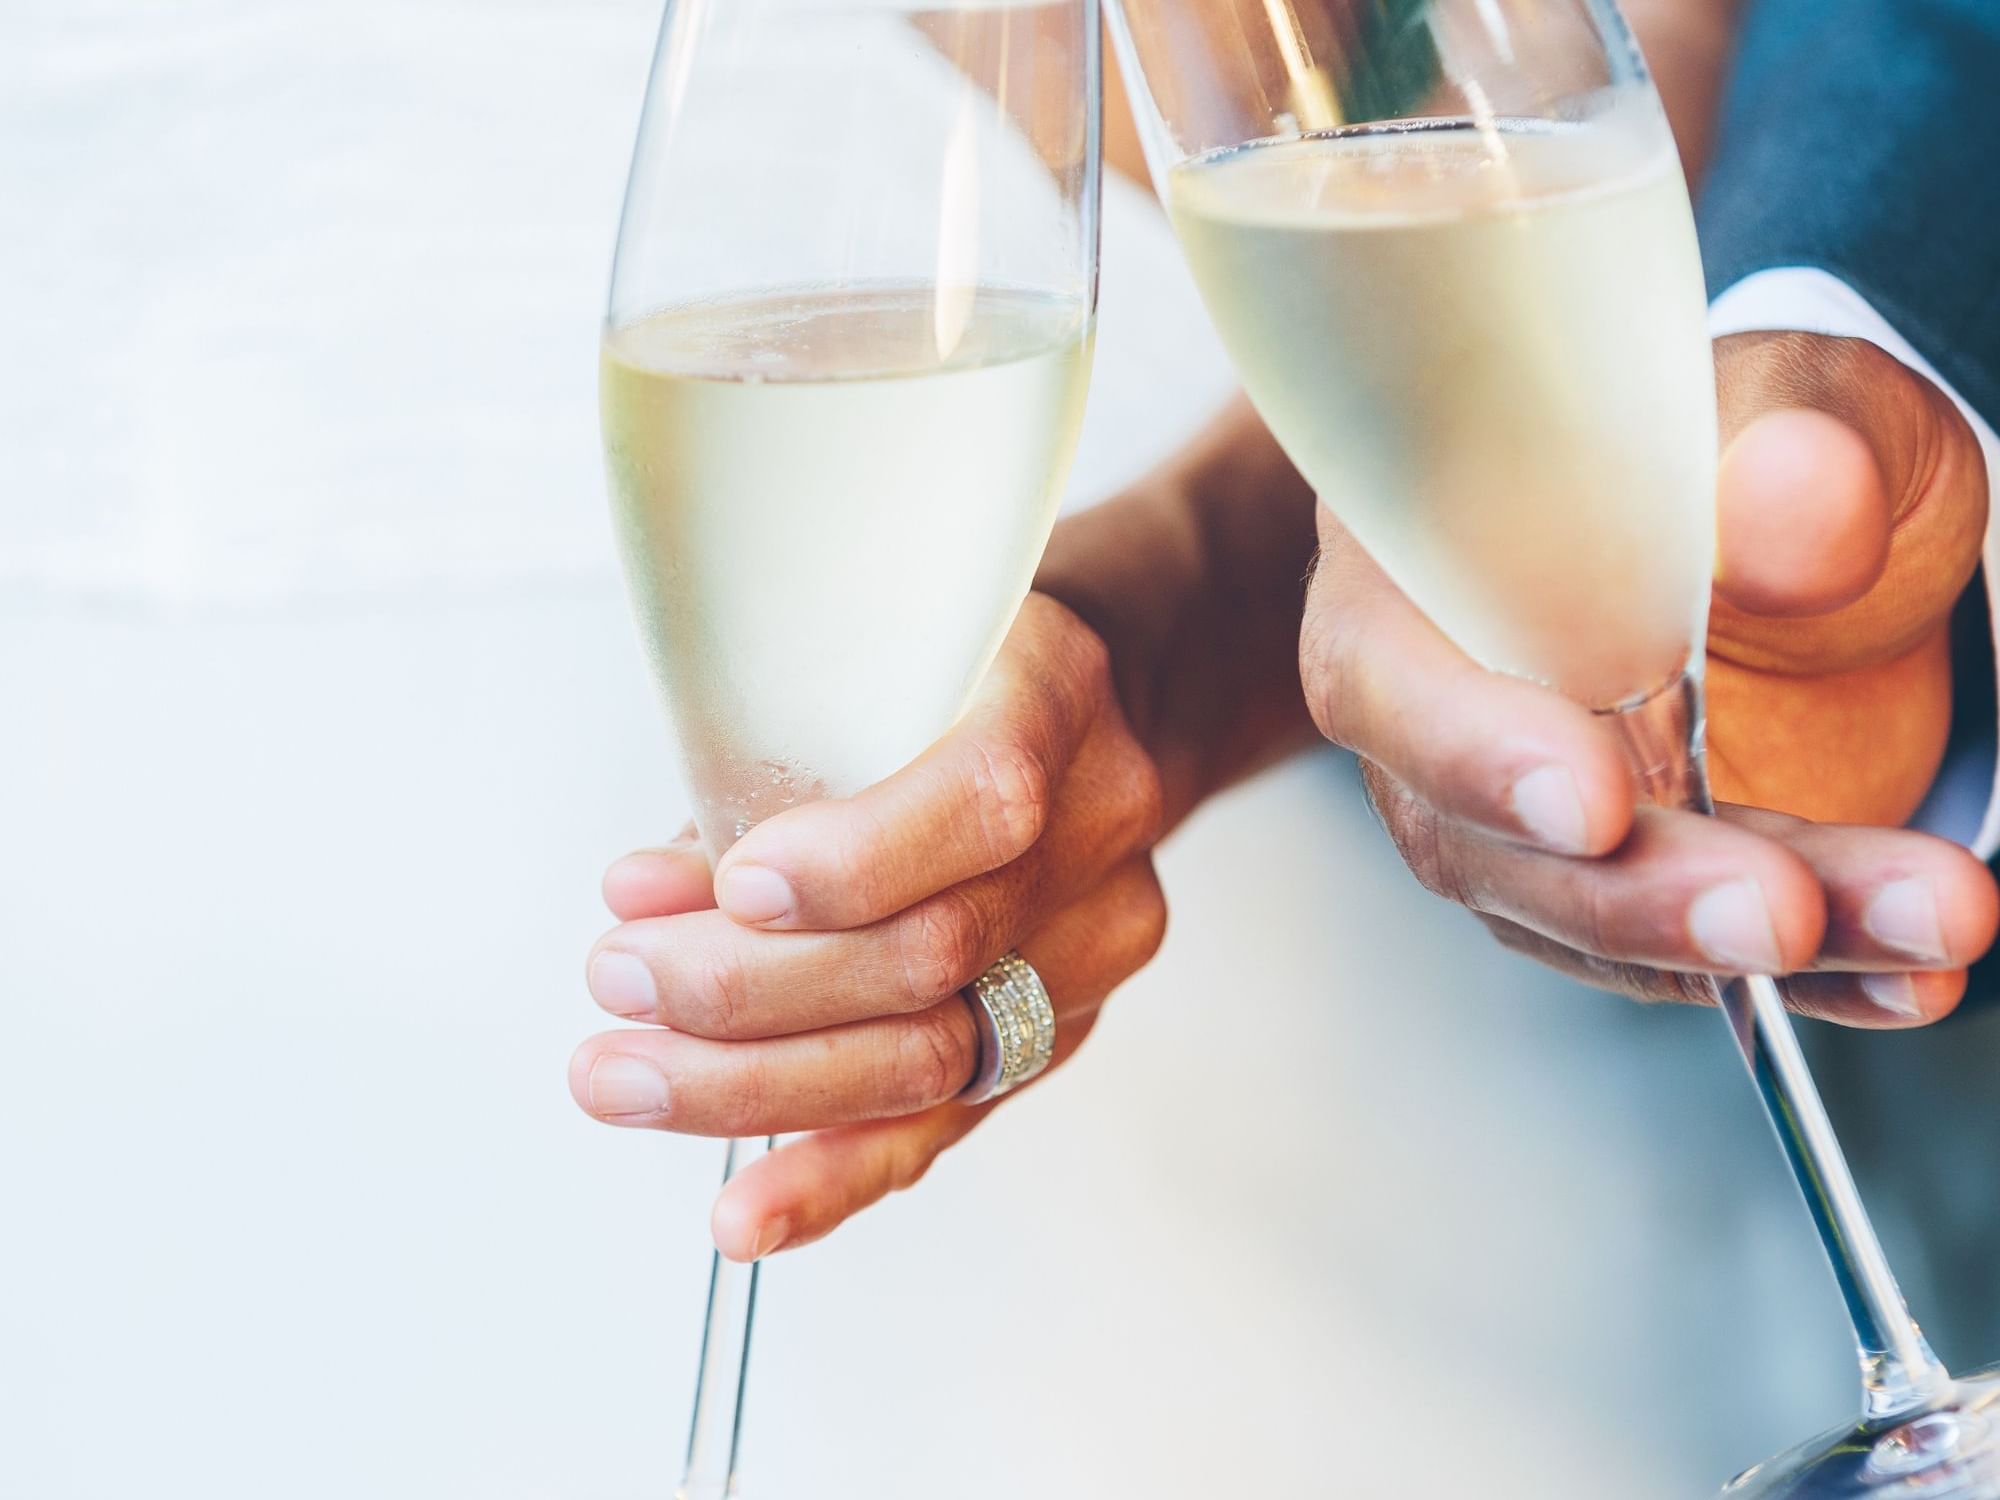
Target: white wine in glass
[
  {"x": 842, "y": 377},
  {"x": 1449, "y": 249},
  {"x": 789, "y": 473},
  {"x": 1459, "y": 364}
]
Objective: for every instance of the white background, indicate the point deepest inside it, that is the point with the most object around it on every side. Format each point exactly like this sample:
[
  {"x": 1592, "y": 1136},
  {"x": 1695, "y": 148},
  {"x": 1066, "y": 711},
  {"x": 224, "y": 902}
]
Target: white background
[{"x": 321, "y": 715}]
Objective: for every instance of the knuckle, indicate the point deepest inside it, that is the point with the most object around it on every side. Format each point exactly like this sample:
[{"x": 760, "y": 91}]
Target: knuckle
[
  {"x": 1043, "y": 617},
  {"x": 933, "y": 1059},
  {"x": 744, "y": 1107},
  {"x": 1805, "y": 363},
  {"x": 1784, "y": 365},
  {"x": 1091, "y": 661},
  {"x": 1322, "y": 674},
  {"x": 1846, "y": 377},
  {"x": 940, "y": 944},
  {"x": 1615, "y": 976},
  {"x": 724, "y": 995},
  {"x": 907, "y": 1165},
  {"x": 1011, "y": 794},
  {"x": 1334, "y": 653},
  {"x": 1420, "y": 837},
  {"x": 1674, "y": 986},
  {"x": 1149, "y": 921},
  {"x": 1515, "y": 938},
  {"x": 1595, "y": 916},
  {"x": 1828, "y": 367},
  {"x": 1379, "y": 791},
  {"x": 1145, "y": 800},
  {"x": 1441, "y": 871},
  {"x": 857, "y": 878}
]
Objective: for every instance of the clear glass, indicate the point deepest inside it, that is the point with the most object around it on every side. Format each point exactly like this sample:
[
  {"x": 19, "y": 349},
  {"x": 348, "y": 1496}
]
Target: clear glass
[
  {"x": 843, "y": 371},
  {"x": 1449, "y": 248}
]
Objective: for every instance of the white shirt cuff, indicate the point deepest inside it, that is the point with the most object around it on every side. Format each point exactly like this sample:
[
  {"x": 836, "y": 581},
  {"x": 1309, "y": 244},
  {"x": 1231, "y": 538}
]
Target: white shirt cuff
[{"x": 1965, "y": 802}]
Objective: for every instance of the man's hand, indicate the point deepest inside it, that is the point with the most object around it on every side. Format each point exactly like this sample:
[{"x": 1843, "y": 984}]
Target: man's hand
[{"x": 1852, "y": 502}]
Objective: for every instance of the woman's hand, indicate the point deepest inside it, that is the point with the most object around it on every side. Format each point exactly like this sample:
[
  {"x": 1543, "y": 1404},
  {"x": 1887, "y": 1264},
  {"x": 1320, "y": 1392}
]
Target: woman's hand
[{"x": 814, "y": 985}]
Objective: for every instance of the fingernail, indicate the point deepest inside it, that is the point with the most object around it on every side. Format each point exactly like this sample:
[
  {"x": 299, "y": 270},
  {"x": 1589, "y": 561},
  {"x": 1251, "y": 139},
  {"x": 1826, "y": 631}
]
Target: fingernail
[
  {"x": 1904, "y": 915},
  {"x": 623, "y": 985},
  {"x": 621, "y": 1085},
  {"x": 1732, "y": 925},
  {"x": 771, "y": 1237},
  {"x": 1893, "y": 993},
  {"x": 1546, "y": 802},
  {"x": 751, "y": 893}
]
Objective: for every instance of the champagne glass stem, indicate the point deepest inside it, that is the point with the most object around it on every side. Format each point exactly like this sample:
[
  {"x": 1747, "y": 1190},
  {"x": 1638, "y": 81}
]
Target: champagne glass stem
[
  {"x": 1664, "y": 742},
  {"x": 717, "y": 1424}
]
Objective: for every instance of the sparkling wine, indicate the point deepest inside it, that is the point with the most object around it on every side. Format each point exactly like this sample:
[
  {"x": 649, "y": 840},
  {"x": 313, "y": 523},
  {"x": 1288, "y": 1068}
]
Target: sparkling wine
[
  {"x": 831, "y": 507},
  {"x": 1483, "y": 345}
]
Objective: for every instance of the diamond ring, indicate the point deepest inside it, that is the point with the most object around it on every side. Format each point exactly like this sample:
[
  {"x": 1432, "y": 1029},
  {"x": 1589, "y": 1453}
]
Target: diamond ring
[{"x": 1017, "y": 1027}]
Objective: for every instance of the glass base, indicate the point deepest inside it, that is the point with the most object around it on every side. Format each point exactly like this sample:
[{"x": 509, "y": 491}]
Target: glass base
[{"x": 1949, "y": 1450}]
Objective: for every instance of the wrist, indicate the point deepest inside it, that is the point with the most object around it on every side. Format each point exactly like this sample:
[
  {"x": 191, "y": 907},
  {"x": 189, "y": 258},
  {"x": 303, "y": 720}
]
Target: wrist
[
  {"x": 1115, "y": 567},
  {"x": 1195, "y": 581}
]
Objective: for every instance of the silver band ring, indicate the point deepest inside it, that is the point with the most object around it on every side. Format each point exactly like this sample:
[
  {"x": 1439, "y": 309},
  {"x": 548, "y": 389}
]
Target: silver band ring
[{"x": 1017, "y": 1027}]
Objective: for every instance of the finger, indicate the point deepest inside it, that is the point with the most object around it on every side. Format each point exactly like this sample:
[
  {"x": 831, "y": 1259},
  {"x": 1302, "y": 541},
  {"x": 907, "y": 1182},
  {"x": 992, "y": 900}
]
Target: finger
[
  {"x": 1747, "y": 892},
  {"x": 1880, "y": 1002},
  {"x": 1876, "y": 1002},
  {"x": 808, "y": 1187},
  {"x": 1682, "y": 891},
  {"x": 1092, "y": 946},
  {"x": 1802, "y": 516},
  {"x": 660, "y": 882},
  {"x": 1895, "y": 899},
  {"x": 865, "y": 1070},
  {"x": 881, "y": 1068},
  {"x": 705, "y": 974},
  {"x": 973, "y": 802},
  {"x": 1517, "y": 759},
  {"x": 1851, "y": 407}
]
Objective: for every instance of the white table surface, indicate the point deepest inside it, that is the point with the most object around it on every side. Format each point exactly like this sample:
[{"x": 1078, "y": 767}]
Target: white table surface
[{"x": 323, "y": 715}]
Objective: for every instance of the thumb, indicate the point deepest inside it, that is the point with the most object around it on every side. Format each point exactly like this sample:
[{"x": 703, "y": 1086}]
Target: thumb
[
  {"x": 1851, "y": 505},
  {"x": 1803, "y": 516}
]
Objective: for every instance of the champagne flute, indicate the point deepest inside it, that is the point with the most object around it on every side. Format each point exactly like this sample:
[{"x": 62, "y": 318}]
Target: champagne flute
[
  {"x": 843, "y": 373},
  {"x": 1448, "y": 246}
]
